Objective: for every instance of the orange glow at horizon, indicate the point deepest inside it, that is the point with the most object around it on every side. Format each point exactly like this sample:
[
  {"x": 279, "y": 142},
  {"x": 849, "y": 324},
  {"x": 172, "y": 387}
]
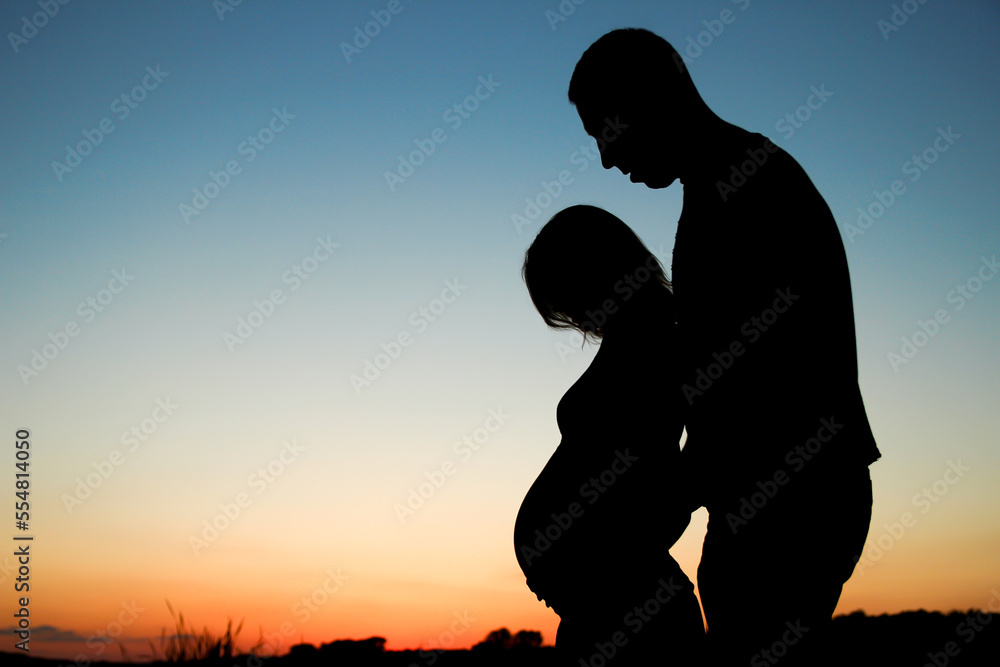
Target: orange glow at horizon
[{"x": 128, "y": 607}]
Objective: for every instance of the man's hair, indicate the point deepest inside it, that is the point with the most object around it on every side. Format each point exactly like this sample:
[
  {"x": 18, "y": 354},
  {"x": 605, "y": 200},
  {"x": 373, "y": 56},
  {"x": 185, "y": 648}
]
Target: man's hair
[
  {"x": 630, "y": 68},
  {"x": 575, "y": 263}
]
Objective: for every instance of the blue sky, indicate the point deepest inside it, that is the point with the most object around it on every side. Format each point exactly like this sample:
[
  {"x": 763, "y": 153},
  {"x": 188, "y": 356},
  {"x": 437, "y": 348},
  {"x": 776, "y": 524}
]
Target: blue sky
[{"x": 321, "y": 180}]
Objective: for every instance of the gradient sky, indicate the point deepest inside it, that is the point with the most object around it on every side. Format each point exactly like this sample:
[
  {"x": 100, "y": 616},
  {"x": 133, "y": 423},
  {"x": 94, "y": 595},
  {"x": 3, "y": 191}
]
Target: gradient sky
[{"x": 324, "y": 525}]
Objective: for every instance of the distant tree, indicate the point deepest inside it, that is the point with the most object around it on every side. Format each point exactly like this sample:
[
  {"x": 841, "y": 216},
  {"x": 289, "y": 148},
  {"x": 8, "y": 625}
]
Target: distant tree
[
  {"x": 353, "y": 649},
  {"x": 502, "y": 640},
  {"x": 527, "y": 639},
  {"x": 496, "y": 640}
]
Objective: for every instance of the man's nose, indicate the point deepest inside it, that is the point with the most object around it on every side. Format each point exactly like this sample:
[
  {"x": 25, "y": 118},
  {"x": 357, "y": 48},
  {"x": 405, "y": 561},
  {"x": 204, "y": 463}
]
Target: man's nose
[
  {"x": 608, "y": 157},
  {"x": 614, "y": 155}
]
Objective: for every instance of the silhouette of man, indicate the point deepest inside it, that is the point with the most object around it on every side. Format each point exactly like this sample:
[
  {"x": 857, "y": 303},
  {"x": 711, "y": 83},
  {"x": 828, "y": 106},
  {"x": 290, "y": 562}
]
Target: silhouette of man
[{"x": 778, "y": 443}]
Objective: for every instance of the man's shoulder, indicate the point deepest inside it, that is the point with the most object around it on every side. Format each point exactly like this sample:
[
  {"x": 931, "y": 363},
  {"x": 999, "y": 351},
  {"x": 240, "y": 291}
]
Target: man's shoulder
[
  {"x": 762, "y": 173},
  {"x": 773, "y": 159}
]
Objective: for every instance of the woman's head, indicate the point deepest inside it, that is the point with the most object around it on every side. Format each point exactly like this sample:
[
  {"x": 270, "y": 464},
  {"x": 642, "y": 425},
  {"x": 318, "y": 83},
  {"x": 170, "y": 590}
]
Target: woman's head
[{"x": 584, "y": 266}]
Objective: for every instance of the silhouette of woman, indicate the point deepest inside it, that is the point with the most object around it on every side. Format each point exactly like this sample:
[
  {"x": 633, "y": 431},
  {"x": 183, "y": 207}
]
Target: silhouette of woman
[{"x": 593, "y": 530}]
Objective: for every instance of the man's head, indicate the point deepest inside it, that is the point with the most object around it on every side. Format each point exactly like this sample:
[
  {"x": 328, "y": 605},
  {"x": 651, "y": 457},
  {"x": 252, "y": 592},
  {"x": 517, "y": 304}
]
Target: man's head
[{"x": 637, "y": 79}]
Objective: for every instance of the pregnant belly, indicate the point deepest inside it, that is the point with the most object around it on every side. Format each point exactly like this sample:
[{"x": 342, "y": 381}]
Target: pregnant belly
[
  {"x": 577, "y": 557},
  {"x": 564, "y": 540},
  {"x": 550, "y": 535}
]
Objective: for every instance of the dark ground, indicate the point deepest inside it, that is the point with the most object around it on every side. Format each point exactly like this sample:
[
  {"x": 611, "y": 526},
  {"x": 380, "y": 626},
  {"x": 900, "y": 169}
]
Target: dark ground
[{"x": 916, "y": 639}]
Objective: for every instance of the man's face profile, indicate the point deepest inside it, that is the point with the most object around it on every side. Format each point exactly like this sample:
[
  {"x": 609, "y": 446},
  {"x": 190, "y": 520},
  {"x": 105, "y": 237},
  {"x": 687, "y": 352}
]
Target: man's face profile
[{"x": 625, "y": 142}]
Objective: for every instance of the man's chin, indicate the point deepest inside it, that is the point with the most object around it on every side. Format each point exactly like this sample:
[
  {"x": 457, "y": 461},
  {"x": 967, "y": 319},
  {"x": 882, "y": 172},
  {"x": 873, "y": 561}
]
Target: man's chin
[{"x": 656, "y": 182}]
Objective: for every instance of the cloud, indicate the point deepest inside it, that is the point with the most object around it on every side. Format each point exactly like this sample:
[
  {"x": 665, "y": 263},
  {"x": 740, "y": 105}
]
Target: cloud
[{"x": 48, "y": 633}]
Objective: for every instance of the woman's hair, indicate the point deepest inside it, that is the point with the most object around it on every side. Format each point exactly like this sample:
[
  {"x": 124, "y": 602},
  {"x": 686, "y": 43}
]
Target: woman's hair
[{"x": 583, "y": 266}]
